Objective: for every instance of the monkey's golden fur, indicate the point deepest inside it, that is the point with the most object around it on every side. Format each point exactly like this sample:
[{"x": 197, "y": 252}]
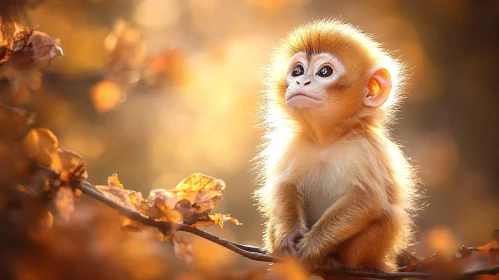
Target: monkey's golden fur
[{"x": 353, "y": 201}]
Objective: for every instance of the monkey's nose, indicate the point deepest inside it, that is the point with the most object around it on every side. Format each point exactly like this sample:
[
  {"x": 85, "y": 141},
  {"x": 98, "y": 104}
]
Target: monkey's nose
[{"x": 306, "y": 82}]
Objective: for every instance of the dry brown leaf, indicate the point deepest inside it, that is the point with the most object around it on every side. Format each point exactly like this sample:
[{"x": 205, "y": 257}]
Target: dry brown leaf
[
  {"x": 26, "y": 54},
  {"x": 407, "y": 261},
  {"x": 194, "y": 198},
  {"x": 41, "y": 145},
  {"x": 465, "y": 259},
  {"x": 130, "y": 199},
  {"x": 158, "y": 210},
  {"x": 117, "y": 193},
  {"x": 198, "y": 189},
  {"x": 480, "y": 256},
  {"x": 45, "y": 49}
]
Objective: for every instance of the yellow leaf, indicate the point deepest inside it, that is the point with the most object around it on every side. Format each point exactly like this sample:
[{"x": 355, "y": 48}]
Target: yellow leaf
[
  {"x": 115, "y": 192},
  {"x": 193, "y": 198},
  {"x": 197, "y": 188},
  {"x": 219, "y": 219},
  {"x": 41, "y": 145}
]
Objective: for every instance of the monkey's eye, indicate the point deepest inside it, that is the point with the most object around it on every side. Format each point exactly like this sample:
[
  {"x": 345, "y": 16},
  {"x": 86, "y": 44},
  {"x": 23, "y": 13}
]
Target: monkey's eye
[
  {"x": 325, "y": 71},
  {"x": 298, "y": 71}
]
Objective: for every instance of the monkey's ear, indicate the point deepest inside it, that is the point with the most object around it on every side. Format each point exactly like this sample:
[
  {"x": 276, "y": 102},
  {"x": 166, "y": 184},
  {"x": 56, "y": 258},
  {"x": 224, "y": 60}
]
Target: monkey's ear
[{"x": 378, "y": 88}]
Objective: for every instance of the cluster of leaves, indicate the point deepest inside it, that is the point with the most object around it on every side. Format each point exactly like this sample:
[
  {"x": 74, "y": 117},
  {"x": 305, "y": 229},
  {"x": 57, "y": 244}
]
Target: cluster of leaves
[
  {"x": 466, "y": 260},
  {"x": 24, "y": 53},
  {"x": 190, "y": 202},
  {"x": 39, "y": 189}
]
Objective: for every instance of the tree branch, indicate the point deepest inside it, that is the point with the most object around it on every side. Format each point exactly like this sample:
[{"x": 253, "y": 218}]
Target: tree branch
[
  {"x": 253, "y": 252},
  {"x": 250, "y": 252}
]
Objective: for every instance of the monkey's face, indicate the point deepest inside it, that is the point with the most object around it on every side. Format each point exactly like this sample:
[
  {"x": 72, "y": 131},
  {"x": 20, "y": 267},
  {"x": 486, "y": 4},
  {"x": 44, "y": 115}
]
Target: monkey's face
[
  {"x": 320, "y": 87},
  {"x": 314, "y": 85}
]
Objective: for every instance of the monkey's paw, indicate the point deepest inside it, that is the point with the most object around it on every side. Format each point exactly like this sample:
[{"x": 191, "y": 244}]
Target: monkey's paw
[
  {"x": 293, "y": 240},
  {"x": 288, "y": 245}
]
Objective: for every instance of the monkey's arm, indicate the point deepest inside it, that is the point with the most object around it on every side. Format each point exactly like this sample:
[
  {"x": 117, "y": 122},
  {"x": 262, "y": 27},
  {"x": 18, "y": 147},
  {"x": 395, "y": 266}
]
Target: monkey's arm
[
  {"x": 287, "y": 219},
  {"x": 348, "y": 216}
]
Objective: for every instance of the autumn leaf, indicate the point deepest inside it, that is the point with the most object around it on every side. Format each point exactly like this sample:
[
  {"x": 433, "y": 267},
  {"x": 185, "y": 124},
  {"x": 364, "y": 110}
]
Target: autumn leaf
[
  {"x": 45, "y": 49},
  {"x": 198, "y": 189},
  {"x": 117, "y": 193},
  {"x": 26, "y": 53},
  {"x": 465, "y": 259},
  {"x": 480, "y": 256},
  {"x": 130, "y": 199},
  {"x": 194, "y": 198},
  {"x": 219, "y": 219},
  {"x": 41, "y": 145}
]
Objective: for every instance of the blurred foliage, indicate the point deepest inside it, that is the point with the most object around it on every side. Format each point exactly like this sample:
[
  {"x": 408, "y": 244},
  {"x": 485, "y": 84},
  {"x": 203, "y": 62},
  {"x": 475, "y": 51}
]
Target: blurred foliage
[{"x": 155, "y": 90}]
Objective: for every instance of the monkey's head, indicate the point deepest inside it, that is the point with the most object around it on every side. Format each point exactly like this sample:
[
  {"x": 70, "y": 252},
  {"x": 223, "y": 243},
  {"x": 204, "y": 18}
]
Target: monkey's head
[{"x": 328, "y": 72}]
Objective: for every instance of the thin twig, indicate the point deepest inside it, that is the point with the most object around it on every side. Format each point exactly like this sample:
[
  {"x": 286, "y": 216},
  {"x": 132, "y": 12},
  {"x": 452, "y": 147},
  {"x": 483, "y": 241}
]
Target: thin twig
[
  {"x": 253, "y": 252},
  {"x": 229, "y": 245}
]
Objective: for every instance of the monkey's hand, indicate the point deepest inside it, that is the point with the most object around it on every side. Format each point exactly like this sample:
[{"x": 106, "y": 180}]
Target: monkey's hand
[
  {"x": 288, "y": 246},
  {"x": 293, "y": 240}
]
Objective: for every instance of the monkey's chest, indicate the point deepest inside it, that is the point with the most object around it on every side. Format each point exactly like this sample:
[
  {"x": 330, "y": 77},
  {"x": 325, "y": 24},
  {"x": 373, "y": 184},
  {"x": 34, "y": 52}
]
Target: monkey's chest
[{"x": 320, "y": 190}]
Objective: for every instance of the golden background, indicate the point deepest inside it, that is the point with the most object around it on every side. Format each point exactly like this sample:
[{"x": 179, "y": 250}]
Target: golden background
[{"x": 195, "y": 110}]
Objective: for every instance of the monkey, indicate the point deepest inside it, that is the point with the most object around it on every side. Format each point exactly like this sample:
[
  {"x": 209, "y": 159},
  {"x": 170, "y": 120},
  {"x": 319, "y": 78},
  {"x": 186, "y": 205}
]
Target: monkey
[{"x": 335, "y": 189}]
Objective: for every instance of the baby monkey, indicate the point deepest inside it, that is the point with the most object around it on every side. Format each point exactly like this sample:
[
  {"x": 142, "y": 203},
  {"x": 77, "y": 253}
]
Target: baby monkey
[{"x": 335, "y": 189}]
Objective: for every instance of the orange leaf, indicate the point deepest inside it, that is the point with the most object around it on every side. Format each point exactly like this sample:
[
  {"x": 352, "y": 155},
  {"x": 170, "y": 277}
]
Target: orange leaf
[
  {"x": 115, "y": 192},
  {"x": 194, "y": 198},
  {"x": 41, "y": 145},
  {"x": 29, "y": 53},
  {"x": 219, "y": 219}
]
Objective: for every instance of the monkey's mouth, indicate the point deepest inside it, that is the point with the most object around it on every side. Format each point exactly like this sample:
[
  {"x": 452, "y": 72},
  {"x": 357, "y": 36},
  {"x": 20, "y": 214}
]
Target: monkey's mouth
[{"x": 302, "y": 94}]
